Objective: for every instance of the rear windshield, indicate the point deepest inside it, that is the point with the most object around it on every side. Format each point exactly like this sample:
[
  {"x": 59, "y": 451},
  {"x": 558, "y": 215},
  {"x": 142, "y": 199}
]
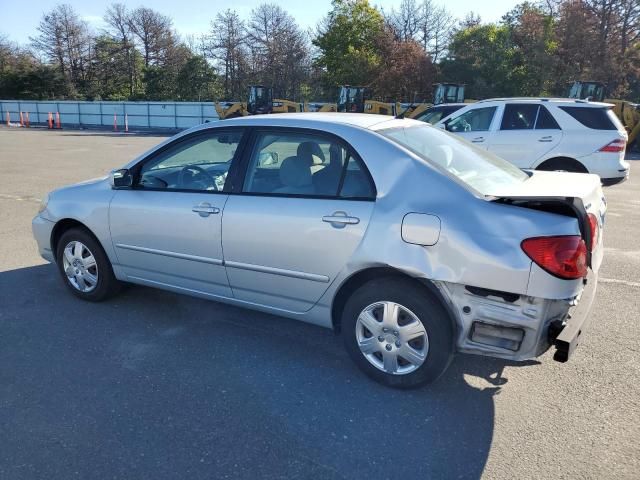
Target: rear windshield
[
  {"x": 595, "y": 118},
  {"x": 477, "y": 168}
]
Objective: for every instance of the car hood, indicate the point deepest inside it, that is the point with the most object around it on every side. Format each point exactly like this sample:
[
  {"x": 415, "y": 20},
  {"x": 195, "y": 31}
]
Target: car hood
[{"x": 91, "y": 181}]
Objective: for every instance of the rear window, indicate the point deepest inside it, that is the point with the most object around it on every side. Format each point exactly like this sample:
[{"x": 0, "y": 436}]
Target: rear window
[
  {"x": 545, "y": 120},
  {"x": 595, "y": 118},
  {"x": 477, "y": 168}
]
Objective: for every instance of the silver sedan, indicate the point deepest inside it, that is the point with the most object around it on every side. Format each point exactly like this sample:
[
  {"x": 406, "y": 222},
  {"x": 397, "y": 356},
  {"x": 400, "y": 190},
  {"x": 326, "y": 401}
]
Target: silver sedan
[{"x": 410, "y": 242}]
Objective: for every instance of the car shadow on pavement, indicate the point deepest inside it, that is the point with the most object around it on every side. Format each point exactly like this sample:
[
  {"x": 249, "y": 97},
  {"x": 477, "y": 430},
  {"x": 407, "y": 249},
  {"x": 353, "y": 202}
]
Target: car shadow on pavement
[{"x": 156, "y": 385}]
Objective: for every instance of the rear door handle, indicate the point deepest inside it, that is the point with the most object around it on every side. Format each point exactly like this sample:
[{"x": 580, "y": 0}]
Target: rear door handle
[
  {"x": 340, "y": 219},
  {"x": 205, "y": 209},
  {"x": 546, "y": 139},
  {"x": 478, "y": 140}
]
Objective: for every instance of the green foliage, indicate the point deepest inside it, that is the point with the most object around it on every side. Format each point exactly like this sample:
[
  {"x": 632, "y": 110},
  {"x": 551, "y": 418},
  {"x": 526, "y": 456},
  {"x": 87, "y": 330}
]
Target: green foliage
[
  {"x": 347, "y": 42},
  {"x": 536, "y": 49},
  {"x": 197, "y": 81},
  {"x": 484, "y": 58}
]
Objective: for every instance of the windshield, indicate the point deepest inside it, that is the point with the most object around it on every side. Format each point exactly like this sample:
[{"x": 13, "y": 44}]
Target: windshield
[
  {"x": 477, "y": 168},
  {"x": 435, "y": 114}
]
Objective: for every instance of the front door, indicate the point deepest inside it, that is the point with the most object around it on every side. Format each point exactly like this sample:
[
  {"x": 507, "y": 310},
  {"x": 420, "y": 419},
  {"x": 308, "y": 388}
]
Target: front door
[
  {"x": 474, "y": 125},
  {"x": 305, "y": 205},
  {"x": 166, "y": 230}
]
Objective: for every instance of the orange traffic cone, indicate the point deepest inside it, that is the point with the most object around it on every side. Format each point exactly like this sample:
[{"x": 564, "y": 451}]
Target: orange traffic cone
[
  {"x": 126, "y": 123},
  {"x": 26, "y": 120},
  {"x": 58, "y": 126},
  {"x": 50, "y": 120},
  {"x": 21, "y": 120},
  {"x": 115, "y": 122}
]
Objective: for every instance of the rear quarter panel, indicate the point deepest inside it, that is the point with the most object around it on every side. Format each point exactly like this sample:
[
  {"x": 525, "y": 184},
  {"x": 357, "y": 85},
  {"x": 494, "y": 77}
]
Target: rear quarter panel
[{"x": 479, "y": 242}]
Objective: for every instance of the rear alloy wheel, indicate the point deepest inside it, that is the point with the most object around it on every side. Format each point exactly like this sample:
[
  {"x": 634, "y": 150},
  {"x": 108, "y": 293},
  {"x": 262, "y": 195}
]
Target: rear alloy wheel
[
  {"x": 397, "y": 332},
  {"x": 85, "y": 267},
  {"x": 392, "y": 338},
  {"x": 562, "y": 165}
]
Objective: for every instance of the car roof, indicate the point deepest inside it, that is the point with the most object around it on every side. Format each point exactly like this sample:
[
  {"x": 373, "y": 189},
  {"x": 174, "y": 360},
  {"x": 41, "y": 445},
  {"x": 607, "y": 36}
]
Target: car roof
[
  {"x": 459, "y": 104},
  {"x": 566, "y": 101},
  {"x": 310, "y": 119}
]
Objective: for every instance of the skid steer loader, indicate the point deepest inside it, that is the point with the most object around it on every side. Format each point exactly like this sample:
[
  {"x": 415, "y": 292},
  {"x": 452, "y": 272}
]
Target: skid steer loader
[{"x": 260, "y": 101}]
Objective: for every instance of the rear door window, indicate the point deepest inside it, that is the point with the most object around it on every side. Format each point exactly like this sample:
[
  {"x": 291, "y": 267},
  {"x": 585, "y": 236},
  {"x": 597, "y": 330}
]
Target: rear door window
[
  {"x": 590, "y": 117},
  {"x": 519, "y": 116},
  {"x": 305, "y": 164},
  {"x": 545, "y": 120}
]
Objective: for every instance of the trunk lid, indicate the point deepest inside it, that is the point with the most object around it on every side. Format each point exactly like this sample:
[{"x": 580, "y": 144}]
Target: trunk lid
[{"x": 575, "y": 194}]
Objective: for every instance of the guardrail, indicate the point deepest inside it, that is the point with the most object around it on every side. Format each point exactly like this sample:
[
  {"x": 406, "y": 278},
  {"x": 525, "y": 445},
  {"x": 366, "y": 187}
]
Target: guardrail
[{"x": 140, "y": 115}]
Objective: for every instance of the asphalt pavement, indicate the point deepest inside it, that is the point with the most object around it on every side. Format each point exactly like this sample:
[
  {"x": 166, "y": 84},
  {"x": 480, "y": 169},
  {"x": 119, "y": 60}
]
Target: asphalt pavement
[{"x": 156, "y": 385}]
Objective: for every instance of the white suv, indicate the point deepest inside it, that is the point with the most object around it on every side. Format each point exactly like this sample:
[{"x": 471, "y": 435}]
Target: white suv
[{"x": 547, "y": 134}]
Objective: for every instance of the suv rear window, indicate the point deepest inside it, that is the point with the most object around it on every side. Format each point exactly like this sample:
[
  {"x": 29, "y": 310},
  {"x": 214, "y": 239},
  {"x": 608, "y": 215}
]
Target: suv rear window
[{"x": 596, "y": 118}]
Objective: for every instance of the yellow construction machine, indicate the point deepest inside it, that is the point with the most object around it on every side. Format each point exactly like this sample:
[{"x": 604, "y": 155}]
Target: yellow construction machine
[
  {"x": 442, "y": 93},
  {"x": 354, "y": 99},
  {"x": 260, "y": 101},
  {"x": 319, "y": 107}
]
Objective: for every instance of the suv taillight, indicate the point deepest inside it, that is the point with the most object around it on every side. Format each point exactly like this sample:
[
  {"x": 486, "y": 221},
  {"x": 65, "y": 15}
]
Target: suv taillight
[
  {"x": 593, "y": 227},
  {"x": 616, "y": 146},
  {"x": 563, "y": 256}
]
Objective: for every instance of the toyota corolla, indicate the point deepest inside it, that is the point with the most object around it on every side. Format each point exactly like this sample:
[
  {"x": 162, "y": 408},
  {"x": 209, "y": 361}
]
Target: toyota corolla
[{"x": 410, "y": 242}]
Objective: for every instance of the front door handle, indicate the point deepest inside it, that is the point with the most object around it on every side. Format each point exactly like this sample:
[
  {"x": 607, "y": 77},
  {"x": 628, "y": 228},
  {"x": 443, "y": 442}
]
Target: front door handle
[
  {"x": 205, "y": 209},
  {"x": 546, "y": 139},
  {"x": 339, "y": 219},
  {"x": 478, "y": 140}
]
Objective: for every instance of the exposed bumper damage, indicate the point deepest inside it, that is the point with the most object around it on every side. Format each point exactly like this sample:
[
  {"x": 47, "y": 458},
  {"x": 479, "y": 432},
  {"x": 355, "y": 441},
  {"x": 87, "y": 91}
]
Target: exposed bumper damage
[{"x": 517, "y": 327}]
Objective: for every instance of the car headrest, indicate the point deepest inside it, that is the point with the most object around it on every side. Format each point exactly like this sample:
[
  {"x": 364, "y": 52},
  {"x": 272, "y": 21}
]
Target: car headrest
[
  {"x": 295, "y": 172},
  {"x": 307, "y": 150}
]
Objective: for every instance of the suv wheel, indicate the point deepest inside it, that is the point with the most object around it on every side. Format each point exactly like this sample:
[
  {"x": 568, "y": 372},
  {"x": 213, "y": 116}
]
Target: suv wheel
[
  {"x": 84, "y": 266},
  {"x": 562, "y": 165},
  {"x": 397, "y": 333}
]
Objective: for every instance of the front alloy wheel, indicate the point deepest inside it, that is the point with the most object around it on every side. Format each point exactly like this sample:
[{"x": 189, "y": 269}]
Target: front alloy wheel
[
  {"x": 84, "y": 266},
  {"x": 80, "y": 266}
]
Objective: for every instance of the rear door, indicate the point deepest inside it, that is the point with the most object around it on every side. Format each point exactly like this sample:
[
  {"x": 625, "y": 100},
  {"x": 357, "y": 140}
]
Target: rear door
[
  {"x": 475, "y": 125},
  {"x": 527, "y": 131},
  {"x": 303, "y": 207}
]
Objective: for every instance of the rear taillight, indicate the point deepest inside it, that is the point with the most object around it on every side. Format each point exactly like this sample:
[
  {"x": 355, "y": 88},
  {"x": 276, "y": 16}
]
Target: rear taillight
[
  {"x": 564, "y": 257},
  {"x": 616, "y": 146},
  {"x": 593, "y": 227}
]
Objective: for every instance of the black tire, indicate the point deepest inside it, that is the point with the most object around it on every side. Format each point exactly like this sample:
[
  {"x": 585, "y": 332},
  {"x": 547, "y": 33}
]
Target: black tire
[
  {"x": 107, "y": 285},
  {"x": 562, "y": 165},
  {"x": 424, "y": 305}
]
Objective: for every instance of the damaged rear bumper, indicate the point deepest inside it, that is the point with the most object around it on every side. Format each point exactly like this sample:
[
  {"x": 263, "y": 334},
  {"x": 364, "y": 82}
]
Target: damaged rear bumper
[
  {"x": 518, "y": 327},
  {"x": 566, "y": 335}
]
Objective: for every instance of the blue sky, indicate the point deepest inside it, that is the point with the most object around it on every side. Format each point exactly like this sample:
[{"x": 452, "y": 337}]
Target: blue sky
[{"x": 19, "y": 18}]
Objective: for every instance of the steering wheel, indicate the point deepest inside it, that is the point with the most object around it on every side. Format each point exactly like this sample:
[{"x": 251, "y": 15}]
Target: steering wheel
[{"x": 195, "y": 171}]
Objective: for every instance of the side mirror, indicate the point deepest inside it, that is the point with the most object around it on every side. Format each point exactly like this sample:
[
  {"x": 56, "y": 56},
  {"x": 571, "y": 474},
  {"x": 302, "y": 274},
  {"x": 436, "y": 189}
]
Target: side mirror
[
  {"x": 121, "y": 179},
  {"x": 445, "y": 125}
]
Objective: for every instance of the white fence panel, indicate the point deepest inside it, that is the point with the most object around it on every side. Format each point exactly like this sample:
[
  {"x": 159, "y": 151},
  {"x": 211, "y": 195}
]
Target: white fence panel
[{"x": 140, "y": 115}]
